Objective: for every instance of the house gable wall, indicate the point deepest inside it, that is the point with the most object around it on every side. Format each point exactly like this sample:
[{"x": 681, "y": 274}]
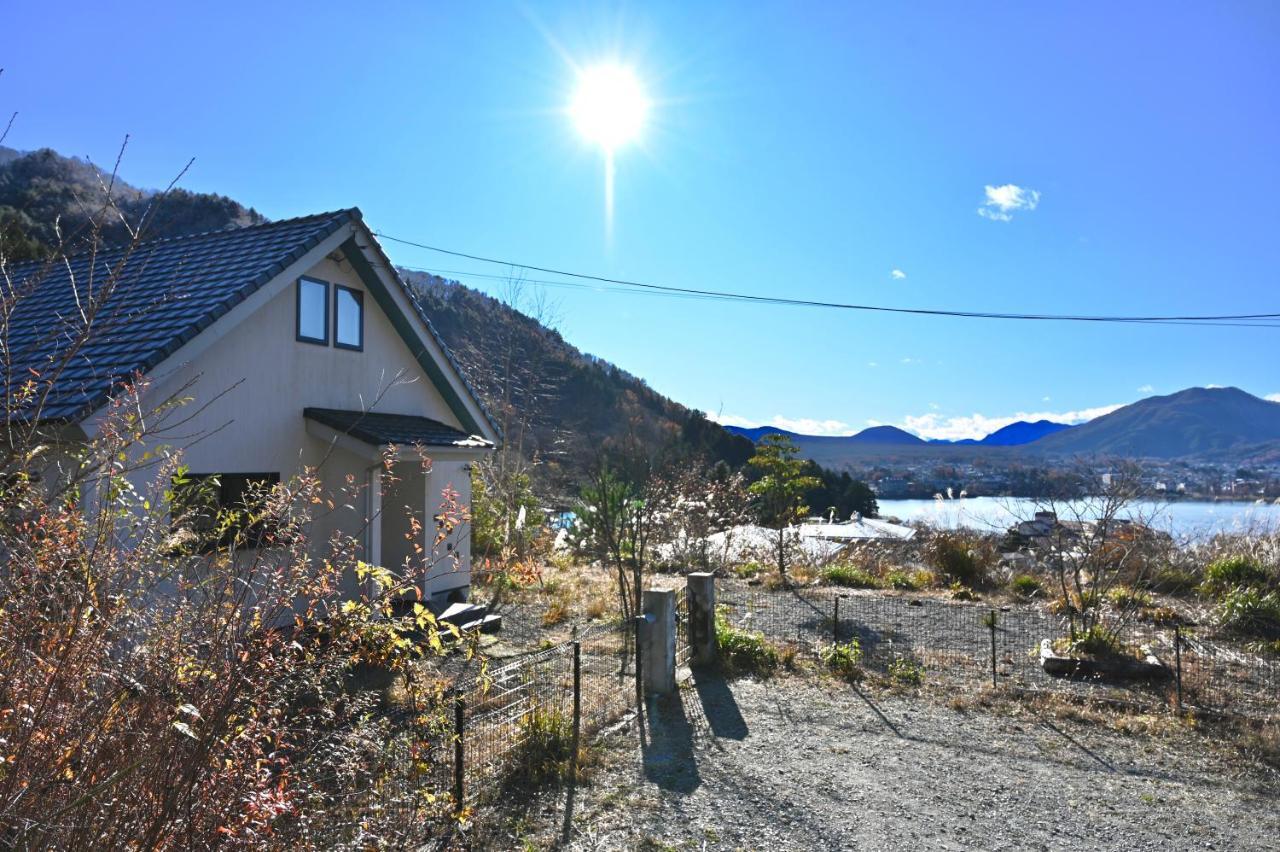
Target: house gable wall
[{"x": 256, "y": 377}]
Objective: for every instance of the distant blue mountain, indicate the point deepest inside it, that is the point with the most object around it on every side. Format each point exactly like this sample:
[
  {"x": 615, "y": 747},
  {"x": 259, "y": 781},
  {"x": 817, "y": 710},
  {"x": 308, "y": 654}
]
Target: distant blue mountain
[
  {"x": 884, "y": 435},
  {"x": 1015, "y": 434},
  {"x": 872, "y": 435},
  {"x": 1022, "y": 432},
  {"x": 755, "y": 433}
]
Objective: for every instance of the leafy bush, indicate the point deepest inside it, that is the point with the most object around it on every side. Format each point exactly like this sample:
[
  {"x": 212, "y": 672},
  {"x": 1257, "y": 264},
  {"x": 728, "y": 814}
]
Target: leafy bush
[
  {"x": 546, "y": 746},
  {"x": 844, "y": 658},
  {"x": 744, "y": 651},
  {"x": 747, "y": 570},
  {"x": 1233, "y": 572},
  {"x": 909, "y": 581},
  {"x": 1125, "y": 598},
  {"x": 1025, "y": 585},
  {"x": 1097, "y": 641},
  {"x": 1250, "y": 612},
  {"x": 906, "y": 671},
  {"x": 851, "y": 577}
]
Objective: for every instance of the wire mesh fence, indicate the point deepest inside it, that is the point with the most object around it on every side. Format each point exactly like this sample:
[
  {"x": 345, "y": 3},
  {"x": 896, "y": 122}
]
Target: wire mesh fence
[
  {"x": 955, "y": 643},
  {"x": 516, "y": 711}
]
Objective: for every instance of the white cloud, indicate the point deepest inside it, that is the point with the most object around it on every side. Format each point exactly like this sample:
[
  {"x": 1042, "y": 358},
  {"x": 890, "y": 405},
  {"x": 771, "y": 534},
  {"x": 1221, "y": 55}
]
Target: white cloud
[
  {"x": 1274, "y": 397},
  {"x": 934, "y": 406},
  {"x": 911, "y": 360},
  {"x": 1003, "y": 201},
  {"x": 803, "y": 425},
  {"x": 1045, "y": 399},
  {"x": 980, "y": 425},
  {"x": 1146, "y": 389},
  {"x": 872, "y": 364},
  {"x": 897, "y": 274},
  {"x": 729, "y": 420}
]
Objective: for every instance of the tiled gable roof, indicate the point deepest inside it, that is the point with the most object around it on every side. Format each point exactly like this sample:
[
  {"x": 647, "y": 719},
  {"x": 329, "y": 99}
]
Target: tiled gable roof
[{"x": 165, "y": 293}]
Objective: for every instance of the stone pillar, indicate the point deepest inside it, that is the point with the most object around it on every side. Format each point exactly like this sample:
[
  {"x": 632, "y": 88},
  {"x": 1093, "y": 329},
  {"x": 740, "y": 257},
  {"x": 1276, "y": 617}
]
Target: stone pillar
[
  {"x": 660, "y": 642},
  {"x": 702, "y": 617}
]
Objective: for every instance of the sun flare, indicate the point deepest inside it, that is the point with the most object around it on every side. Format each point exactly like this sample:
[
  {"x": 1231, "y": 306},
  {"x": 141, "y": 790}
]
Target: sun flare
[{"x": 610, "y": 106}]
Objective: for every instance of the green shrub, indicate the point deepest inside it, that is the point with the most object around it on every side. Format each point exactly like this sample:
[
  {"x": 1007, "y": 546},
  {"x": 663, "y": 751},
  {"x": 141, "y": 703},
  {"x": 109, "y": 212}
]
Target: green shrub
[
  {"x": 1250, "y": 612},
  {"x": 743, "y": 651},
  {"x": 1124, "y": 597},
  {"x": 1233, "y": 572},
  {"x": 546, "y": 746},
  {"x": 1025, "y": 585},
  {"x": 851, "y": 577},
  {"x": 906, "y": 671},
  {"x": 844, "y": 658},
  {"x": 909, "y": 581},
  {"x": 1097, "y": 641},
  {"x": 747, "y": 570}
]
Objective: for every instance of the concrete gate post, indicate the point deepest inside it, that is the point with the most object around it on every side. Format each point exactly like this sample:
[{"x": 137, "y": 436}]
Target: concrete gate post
[
  {"x": 702, "y": 617},
  {"x": 659, "y": 641}
]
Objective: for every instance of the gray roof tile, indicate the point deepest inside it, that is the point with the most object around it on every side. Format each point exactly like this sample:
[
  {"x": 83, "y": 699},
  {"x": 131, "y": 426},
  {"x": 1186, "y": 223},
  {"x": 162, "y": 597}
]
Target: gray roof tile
[
  {"x": 379, "y": 429},
  {"x": 164, "y": 293}
]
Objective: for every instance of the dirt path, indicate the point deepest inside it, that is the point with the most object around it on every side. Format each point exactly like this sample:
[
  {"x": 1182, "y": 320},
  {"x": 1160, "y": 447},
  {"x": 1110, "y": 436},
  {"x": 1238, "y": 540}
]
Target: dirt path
[{"x": 794, "y": 764}]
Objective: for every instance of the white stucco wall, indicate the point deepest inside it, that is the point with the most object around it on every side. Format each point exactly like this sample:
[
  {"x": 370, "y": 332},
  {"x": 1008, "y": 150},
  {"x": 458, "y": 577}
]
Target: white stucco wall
[{"x": 256, "y": 378}]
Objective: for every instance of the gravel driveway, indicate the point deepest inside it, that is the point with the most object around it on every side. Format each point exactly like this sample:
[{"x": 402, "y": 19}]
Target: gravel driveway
[{"x": 794, "y": 764}]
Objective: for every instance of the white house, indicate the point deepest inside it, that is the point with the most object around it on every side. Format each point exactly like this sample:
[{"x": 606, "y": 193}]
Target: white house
[{"x": 302, "y": 348}]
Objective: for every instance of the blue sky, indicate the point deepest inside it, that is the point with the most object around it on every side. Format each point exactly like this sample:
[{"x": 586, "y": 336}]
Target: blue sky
[{"x": 807, "y": 151}]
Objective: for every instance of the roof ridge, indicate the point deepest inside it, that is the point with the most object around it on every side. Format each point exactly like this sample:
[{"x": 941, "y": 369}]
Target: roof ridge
[
  {"x": 351, "y": 212},
  {"x": 106, "y": 251}
]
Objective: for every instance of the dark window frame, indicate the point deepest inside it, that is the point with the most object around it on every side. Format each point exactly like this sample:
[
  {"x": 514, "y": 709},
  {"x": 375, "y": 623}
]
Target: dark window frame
[
  {"x": 359, "y": 297},
  {"x": 229, "y": 493},
  {"x": 297, "y": 313}
]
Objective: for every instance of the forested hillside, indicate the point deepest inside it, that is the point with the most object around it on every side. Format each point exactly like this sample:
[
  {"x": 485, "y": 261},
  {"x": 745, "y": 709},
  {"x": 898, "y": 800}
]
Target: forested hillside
[
  {"x": 45, "y": 197},
  {"x": 563, "y": 405}
]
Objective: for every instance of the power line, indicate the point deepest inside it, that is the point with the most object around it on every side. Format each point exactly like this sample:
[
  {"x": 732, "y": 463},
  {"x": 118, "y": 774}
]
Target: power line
[
  {"x": 601, "y": 288},
  {"x": 1237, "y": 320}
]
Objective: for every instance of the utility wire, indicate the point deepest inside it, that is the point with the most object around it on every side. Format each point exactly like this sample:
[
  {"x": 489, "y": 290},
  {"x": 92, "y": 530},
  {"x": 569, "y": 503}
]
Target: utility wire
[
  {"x": 601, "y": 288},
  {"x": 1245, "y": 320}
]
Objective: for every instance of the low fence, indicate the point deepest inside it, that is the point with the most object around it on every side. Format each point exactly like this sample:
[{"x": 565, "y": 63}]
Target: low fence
[
  {"x": 421, "y": 767},
  {"x": 959, "y": 643}
]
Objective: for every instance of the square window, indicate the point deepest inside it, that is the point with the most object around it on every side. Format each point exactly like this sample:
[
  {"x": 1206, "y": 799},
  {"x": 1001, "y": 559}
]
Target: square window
[
  {"x": 313, "y": 311},
  {"x": 220, "y": 508},
  {"x": 348, "y": 318}
]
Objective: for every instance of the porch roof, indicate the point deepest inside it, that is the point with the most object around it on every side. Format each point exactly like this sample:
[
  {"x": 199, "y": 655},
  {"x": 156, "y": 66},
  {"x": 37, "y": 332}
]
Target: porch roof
[{"x": 379, "y": 429}]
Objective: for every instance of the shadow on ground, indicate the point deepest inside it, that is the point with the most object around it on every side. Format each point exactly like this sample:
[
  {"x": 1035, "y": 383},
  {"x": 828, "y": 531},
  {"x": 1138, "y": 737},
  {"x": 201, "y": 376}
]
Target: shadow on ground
[
  {"x": 719, "y": 707},
  {"x": 666, "y": 741}
]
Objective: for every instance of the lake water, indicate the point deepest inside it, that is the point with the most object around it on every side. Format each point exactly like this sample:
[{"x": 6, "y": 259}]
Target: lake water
[{"x": 1189, "y": 518}]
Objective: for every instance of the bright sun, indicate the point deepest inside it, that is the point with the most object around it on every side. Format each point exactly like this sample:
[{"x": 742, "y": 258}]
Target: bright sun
[{"x": 610, "y": 106}]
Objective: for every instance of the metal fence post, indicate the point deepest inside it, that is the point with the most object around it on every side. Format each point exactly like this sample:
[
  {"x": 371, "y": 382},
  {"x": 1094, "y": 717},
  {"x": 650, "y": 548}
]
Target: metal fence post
[
  {"x": 992, "y": 624},
  {"x": 1177, "y": 657},
  {"x": 835, "y": 623},
  {"x": 459, "y": 753},
  {"x": 577, "y": 700}
]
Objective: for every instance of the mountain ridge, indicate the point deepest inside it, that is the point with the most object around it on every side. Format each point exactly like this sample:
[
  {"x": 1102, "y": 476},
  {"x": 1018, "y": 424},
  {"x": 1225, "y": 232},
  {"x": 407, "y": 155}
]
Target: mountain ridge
[{"x": 1195, "y": 422}]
